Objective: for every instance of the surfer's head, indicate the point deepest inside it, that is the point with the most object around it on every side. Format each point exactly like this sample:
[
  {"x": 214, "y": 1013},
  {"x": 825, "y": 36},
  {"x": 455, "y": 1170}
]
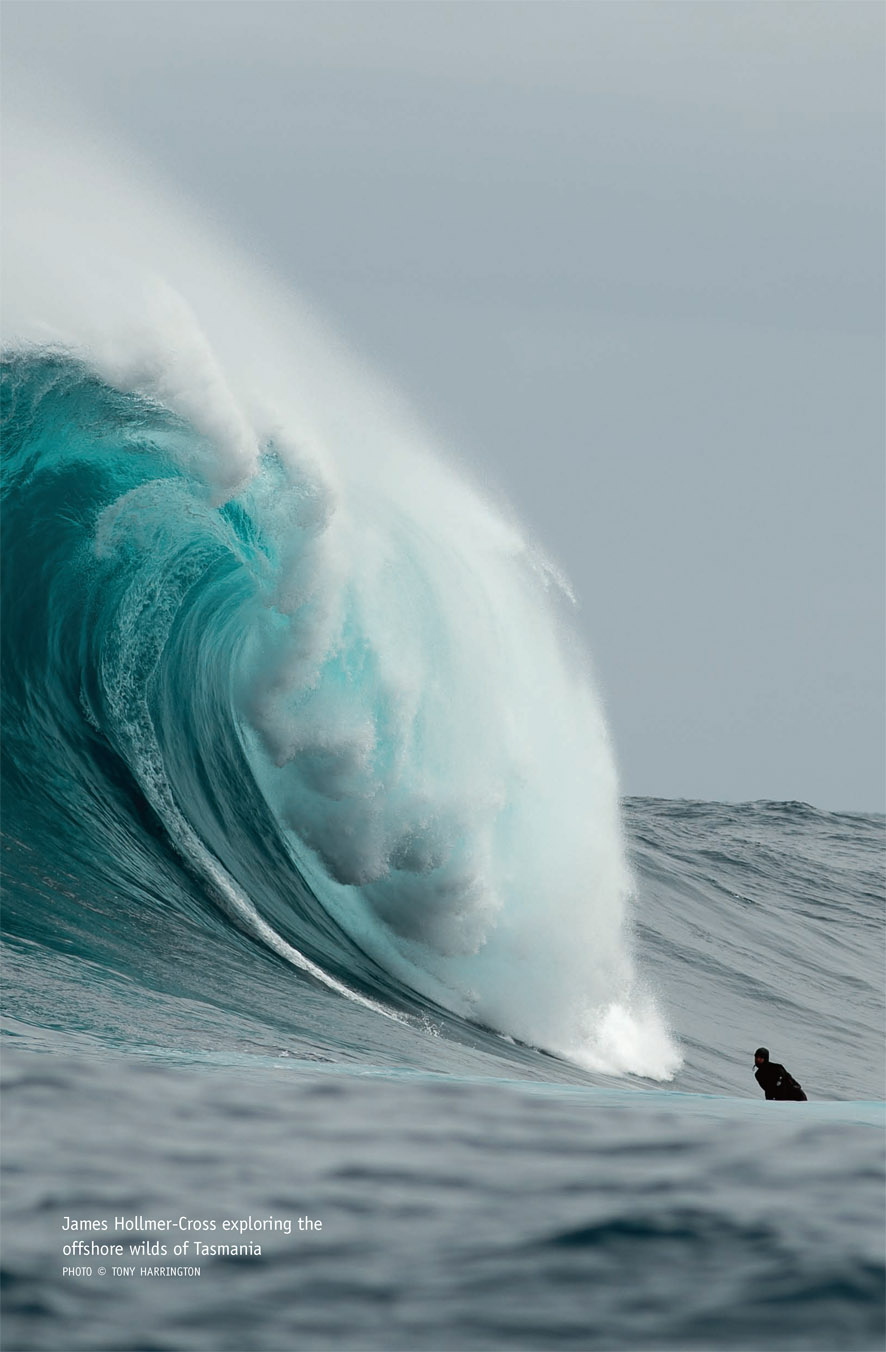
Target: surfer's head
[{"x": 761, "y": 1054}]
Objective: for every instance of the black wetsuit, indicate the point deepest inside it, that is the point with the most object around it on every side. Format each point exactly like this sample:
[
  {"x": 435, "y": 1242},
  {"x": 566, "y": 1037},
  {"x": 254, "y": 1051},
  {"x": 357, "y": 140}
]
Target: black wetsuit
[{"x": 776, "y": 1083}]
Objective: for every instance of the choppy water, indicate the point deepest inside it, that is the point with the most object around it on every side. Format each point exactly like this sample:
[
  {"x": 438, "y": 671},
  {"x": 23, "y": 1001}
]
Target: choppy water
[
  {"x": 319, "y": 899},
  {"x": 457, "y": 1212}
]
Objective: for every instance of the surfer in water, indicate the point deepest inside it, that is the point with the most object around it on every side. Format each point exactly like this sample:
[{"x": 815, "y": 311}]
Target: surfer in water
[{"x": 774, "y": 1080}]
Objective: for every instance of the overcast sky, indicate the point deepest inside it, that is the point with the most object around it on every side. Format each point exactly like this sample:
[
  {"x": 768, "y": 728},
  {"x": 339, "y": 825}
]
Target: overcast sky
[{"x": 626, "y": 259}]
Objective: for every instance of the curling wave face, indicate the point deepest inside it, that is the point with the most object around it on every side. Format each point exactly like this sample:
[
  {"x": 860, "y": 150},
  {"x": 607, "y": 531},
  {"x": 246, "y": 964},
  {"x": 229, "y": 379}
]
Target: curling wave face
[{"x": 351, "y": 708}]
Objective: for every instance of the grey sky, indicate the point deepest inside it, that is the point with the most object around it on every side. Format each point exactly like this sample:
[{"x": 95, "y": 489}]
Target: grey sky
[{"x": 624, "y": 258}]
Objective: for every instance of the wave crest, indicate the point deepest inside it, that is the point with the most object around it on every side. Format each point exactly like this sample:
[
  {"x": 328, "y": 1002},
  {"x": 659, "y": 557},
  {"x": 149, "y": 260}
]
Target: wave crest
[{"x": 383, "y": 648}]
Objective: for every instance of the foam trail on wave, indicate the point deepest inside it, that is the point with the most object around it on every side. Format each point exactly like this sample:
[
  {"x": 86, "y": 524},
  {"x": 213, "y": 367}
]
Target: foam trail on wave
[{"x": 415, "y": 710}]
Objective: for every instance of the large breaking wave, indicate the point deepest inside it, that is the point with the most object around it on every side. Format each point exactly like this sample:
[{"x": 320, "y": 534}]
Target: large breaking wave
[{"x": 255, "y": 621}]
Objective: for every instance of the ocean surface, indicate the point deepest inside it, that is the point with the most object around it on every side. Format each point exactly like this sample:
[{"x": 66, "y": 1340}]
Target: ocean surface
[
  {"x": 346, "y": 1003},
  {"x": 293, "y": 936}
]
